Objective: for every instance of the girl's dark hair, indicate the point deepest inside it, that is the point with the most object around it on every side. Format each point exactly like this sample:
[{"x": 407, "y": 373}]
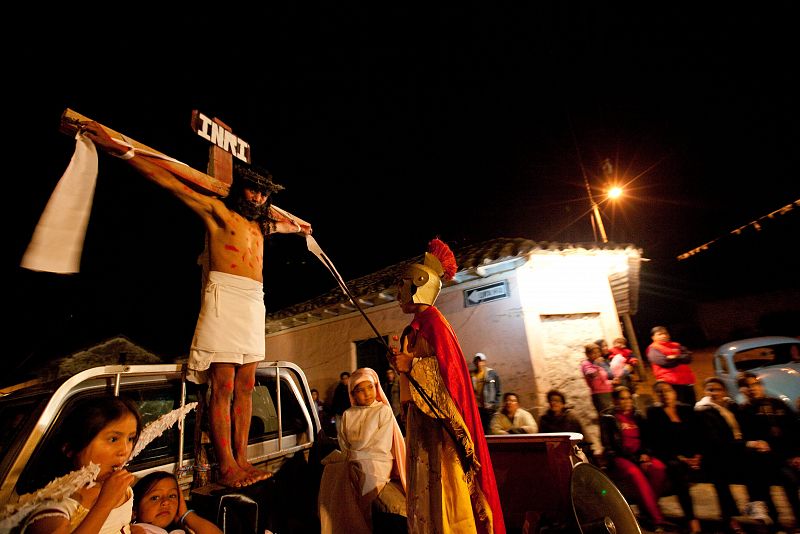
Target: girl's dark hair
[
  {"x": 89, "y": 417},
  {"x": 146, "y": 483},
  {"x": 589, "y": 348},
  {"x": 74, "y": 432}
]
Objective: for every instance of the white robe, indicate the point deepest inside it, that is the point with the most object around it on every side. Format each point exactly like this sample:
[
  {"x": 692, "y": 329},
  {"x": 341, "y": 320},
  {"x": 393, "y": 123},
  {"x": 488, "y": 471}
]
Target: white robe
[
  {"x": 118, "y": 521},
  {"x": 354, "y": 476}
]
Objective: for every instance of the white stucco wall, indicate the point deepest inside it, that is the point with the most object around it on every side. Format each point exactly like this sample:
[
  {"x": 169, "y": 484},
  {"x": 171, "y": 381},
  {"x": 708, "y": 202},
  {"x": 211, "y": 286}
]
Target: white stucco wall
[
  {"x": 325, "y": 348},
  {"x": 497, "y": 329},
  {"x": 534, "y": 338},
  {"x": 567, "y": 303}
]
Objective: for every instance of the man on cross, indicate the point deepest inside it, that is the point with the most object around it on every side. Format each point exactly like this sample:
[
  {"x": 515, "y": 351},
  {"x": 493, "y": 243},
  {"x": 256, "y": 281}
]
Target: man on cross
[{"x": 229, "y": 338}]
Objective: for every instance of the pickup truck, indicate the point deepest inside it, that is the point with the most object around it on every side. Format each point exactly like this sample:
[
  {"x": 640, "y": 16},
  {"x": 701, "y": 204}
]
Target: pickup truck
[
  {"x": 533, "y": 471},
  {"x": 283, "y": 436}
]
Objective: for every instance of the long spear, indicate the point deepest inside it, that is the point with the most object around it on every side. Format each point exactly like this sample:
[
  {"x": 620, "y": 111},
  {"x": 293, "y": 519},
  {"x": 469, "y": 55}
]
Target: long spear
[{"x": 315, "y": 249}]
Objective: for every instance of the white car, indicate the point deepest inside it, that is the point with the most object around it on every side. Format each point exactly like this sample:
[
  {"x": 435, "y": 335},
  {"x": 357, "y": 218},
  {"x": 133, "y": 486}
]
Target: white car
[{"x": 774, "y": 359}]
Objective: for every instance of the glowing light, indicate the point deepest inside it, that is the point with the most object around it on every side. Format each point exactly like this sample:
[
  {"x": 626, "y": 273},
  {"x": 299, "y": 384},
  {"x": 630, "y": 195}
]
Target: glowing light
[{"x": 614, "y": 192}]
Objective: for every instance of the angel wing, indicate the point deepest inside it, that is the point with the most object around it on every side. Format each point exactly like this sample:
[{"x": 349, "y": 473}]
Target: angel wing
[
  {"x": 55, "y": 491},
  {"x": 159, "y": 426}
]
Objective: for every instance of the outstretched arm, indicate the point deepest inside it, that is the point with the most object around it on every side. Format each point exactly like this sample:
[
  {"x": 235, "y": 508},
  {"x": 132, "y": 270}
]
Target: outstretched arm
[
  {"x": 287, "y": 227},
  {"x": 198, "y": 202}
]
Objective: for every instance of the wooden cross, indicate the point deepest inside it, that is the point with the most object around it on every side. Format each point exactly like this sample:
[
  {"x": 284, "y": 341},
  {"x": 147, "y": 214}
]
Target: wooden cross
[
  {"x": 71, "y": 121},
  {"x": 220, "y": 166}
]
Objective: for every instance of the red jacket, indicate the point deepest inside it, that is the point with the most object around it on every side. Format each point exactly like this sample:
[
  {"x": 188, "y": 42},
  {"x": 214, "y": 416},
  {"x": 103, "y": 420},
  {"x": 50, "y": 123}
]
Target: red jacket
[{"x": 670, "y": 362}]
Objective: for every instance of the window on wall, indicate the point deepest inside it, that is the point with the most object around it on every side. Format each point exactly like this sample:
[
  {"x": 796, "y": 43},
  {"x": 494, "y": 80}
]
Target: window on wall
[{"x": 372, "y": 353}]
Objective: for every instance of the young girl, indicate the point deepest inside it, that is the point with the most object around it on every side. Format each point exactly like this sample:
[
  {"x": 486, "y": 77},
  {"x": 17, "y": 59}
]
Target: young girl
[
  {"x": 159, "y": 508},
  {"x": 102, "y": 431},
  {"x": 597, "y": 377},
  {"x": 372, "y": 452}
]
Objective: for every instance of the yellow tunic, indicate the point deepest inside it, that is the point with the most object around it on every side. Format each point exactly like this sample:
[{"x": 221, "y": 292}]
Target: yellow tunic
[{"x": 439, "y": 488}]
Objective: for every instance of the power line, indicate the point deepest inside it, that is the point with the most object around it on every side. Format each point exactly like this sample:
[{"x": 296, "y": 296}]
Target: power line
[{"x": 755, "y": 224}]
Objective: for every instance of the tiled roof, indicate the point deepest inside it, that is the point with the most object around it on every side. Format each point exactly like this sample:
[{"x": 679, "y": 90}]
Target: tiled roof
[{"x": 474, "y": 261}]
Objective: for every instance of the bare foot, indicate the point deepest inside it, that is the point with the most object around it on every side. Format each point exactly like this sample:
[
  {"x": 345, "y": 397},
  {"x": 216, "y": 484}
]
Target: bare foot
[
  {"x": 235, "y": 478},
  {"x": 258, "y": 474},
  {"x": 255, "y": 473}
]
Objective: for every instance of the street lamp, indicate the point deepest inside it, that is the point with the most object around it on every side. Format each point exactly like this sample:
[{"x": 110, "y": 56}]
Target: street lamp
[{"x": 613, "y": 192}]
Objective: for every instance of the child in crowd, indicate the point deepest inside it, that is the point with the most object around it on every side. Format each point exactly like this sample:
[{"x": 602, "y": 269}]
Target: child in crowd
[
  {"x": 623, "y": 364},
  {"x": 595, "y": 370},
  {"x": 372, "y": 452},
  {"x": 103, "y": 431},
  {"x": 159, "y": 508}
]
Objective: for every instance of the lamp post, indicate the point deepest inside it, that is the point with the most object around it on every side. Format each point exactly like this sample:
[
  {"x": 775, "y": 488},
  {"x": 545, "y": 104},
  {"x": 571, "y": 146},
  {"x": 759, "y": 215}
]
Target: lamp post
[
  {"x": 597, "y": 222},
  {"x": 613, "y": 192}
]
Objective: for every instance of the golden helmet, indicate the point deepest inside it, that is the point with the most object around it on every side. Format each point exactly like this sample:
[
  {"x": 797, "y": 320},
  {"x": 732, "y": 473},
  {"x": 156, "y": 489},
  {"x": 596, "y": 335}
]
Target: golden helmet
[{"x": 422, "y": 282}]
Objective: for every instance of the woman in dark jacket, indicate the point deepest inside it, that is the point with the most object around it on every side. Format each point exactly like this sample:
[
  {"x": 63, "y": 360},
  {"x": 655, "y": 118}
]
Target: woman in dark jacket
[
  {"x": 559, "y": 418},
  {"x": 629, "y": 462},
  {"x": 671, "y": 435}
]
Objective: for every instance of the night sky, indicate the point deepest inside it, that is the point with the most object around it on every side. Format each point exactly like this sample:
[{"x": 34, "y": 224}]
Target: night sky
[{"x": 389, "y": 126}]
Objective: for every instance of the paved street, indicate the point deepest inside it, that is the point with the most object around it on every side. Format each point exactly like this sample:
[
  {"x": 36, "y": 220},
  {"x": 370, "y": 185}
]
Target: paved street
[{"x": 707, "y": 510}]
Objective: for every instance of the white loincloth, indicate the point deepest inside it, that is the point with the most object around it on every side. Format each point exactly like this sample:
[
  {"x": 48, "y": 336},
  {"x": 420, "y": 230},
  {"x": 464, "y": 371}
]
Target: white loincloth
[{"x": 230, "y": 328}]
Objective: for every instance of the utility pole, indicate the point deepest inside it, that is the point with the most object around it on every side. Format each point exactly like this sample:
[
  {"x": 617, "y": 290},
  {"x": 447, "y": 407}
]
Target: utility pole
[{"x": 596, "y": 211}]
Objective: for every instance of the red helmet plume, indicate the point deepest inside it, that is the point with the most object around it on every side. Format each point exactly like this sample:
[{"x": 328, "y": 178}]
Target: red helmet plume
[{"x": 445, "y": 256}]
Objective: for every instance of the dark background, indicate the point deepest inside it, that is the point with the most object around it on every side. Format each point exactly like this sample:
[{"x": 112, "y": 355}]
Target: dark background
[{"x": 389, "y": 126}]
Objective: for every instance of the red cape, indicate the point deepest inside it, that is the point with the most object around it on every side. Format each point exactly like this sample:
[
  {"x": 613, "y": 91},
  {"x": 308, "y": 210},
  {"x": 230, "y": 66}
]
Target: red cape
[{"x": 433, "y": 326}]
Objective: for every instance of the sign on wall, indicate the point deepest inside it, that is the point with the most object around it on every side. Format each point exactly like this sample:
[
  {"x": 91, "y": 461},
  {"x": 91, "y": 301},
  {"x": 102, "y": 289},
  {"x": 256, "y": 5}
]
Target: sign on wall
[{"x": 487, "y": 293}]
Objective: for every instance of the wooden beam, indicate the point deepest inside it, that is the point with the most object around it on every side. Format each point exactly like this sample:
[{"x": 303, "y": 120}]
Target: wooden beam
[{"x": 71, "y": 121}]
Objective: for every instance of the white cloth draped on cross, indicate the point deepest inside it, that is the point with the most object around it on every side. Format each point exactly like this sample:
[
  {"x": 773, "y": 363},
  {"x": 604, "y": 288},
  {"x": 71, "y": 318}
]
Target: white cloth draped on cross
[{"x": 57, "y": 242}]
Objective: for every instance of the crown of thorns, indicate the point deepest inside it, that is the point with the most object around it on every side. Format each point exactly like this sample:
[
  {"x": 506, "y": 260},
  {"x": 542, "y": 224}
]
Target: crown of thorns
[{"x": 259, "y": 179}]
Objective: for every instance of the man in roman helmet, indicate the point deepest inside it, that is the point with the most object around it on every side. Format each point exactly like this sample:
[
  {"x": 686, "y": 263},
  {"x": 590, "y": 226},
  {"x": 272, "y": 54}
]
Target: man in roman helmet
[
  {"x": 229, "y": 339},
  {"x": 443, "y": 426}
]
